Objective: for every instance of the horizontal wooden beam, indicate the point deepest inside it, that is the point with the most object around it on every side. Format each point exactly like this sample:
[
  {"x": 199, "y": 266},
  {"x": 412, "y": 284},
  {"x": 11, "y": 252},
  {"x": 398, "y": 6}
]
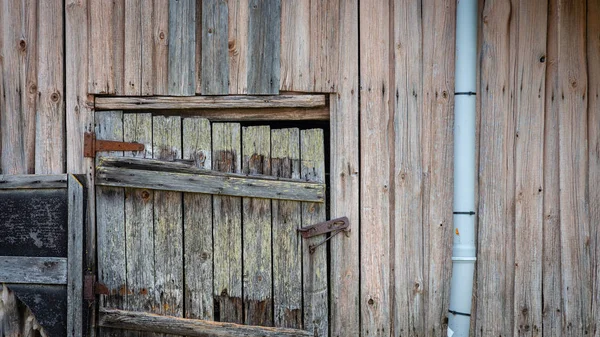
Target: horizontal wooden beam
[
  {"x": 33, "y": 270},
  {"x": 208, "y": 102},
  {"x": 254, "y": 115},
  {"x": 28, "y": 181},
  {"x": 142, "y": 321},
  {"x": 182, "y": 177}
]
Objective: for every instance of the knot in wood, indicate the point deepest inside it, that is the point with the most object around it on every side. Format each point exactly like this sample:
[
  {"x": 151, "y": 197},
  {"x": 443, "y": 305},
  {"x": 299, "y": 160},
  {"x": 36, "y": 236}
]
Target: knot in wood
[
  {"x": 54, "y": 97},
  {"x": 22, "y": 44}
]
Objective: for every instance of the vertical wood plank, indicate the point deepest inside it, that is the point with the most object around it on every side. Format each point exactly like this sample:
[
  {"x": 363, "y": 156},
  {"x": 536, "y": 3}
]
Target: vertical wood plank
[
  {"x": 107, "y": 32},
  {"x": 227, "y": 227},
  {"x": 324, "y": 17},
  {"x": 573, "y": 147},
  {"x": 168, "y": 223},
  {"x": 139, "y": 230},
  {"x": 409, "y": 262},
  {"x": 160, "y": 67},
  {"x": 75, "y": 258},
  {"x": 375, "y": 117},
  {"x": 315, "y": 278},
  {"x": 215, "y": 68},
  {"x": 256, "y": 231},
  {"x": 133, "y": 46},
  {"x": 29, "y": 79},
  {"x": 287, "y": 244},
  {"x": 551, "y": 271},
  {"x": 345, "y": 251},
  {"x": 295, "y": 46},
  {"x": 197, "y": 225},
  {"x": 264, "y": 45},
  {"x": 529, "y": 151},
  {"x": 110, "y": 221},
  {"x": 182, "y": 47},
  {"x": 238, "y": 46},
  {"x": 147, "y": 48}
]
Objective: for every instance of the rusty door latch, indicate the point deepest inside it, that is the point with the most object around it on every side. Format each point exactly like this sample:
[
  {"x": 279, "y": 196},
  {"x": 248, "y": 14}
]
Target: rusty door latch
[
  {"x": 334, "y": 226},
  {"x": 91, "y": 145},
  {"x": 91, "y": 288}
]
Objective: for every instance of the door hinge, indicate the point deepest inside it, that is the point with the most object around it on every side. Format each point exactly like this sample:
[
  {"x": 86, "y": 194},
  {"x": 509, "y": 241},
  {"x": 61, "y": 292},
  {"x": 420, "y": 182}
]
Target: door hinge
[
  {"x": 91, "y": 145},
  {"x": 334, "y": 226},
  {"x": 91, "y": 288}
]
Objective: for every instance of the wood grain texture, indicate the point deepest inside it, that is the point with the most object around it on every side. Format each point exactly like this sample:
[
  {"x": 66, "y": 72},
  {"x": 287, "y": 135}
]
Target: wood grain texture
[
  {"x": 254, "y": 115},
  {"x": 168, "y": 222},
  {"x": 227, "y": 228},
  {"x": 238, "y": 46},
  {"x": 264, "y": 45},
  {"x": 190, "y": 327},
  {"x": 33, "y": 270},
  {"x": 375, "y": 118},
  {"x": 107, "y": 30},
  {"x": 529, "y": 171},
  {"x": 197, "y": 225},
  {"x": 215, "y": 65},
  {"x": 314, "y": 265},
  {"x": 287, "y": 244},
  {"x": 182, "y": 47},
  {"x": 256, "y": 231},
  {"x": 132, "y": 64},
  {"x": 324, "y": 35},
  {"x": 29, "y": 181},
  {"x": 295, "y": 46},
  {"x": 75, "y": 258},
  {"x": 160, "y": 33}
]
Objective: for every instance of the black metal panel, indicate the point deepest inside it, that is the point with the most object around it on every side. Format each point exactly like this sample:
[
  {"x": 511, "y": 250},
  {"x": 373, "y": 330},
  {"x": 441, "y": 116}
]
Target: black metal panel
[
  {"x": 48, "y": 304},
  {"x": 33, "y": 222}
]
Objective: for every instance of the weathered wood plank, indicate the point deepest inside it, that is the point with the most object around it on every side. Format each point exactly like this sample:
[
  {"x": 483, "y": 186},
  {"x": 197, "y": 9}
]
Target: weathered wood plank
[
  {"x": 110, "y": 223},
  {"x": 160, "y": 33},
  {"x": 208, "y": 102},
  {"x": 409, "y": 264},
  {"x": 197, "y": 226},
  {"x": 295, "y": 46},
  {"x": 315, "y": 278},
  {"x": 324, "y": 44},
  {"x": 147, "y": 48},
  {"x": 227, "y": 228},
  {"x": 287, "y": 244},
  {"x": 253, "y": 115},
  {"x": 75, "y": 258},
  {"x": 576, "y": 260},
  {"x": 529, "y": 170},
  {"x": 182, "y": 47},
  {"x": 264, "y": 45},
  {"x": 29, "y": 181},
  {"x": 238, "y": 46},
  {"x": 29, "y": 78},
  {"x": 106, "y": 69},
  {"x": 375, "y": 298},
  {"x": 168, "y": 222},
  {"x": 139, "y": 229},
  {"x": 344, "y": 178},
  {"x": 132, "y": 41},
  {"x": 215, "y": 66},
  {"x": 33, "y": 270},
  {"x": 256, "y": 231},
  {"x": 189, "y": 327}
]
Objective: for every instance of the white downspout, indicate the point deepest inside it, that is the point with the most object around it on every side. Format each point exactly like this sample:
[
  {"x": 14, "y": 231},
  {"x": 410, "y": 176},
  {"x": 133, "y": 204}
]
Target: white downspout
[{"x": 463, "y": 251}]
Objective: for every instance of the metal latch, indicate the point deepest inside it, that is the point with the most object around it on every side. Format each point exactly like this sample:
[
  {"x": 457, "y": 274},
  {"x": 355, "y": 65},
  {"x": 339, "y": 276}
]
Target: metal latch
[
  {"x": 91, "y": 145},
  {"x": 333, "y": 226},
  {"x": 91, "y": 288}
]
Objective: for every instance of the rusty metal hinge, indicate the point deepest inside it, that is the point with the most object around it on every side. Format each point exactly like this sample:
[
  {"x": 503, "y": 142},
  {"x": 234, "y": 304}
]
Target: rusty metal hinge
[
  {"x": 91, "y": 288},
  {"x": 91, "y": 145},
  {"x": 334, "y": 226}
]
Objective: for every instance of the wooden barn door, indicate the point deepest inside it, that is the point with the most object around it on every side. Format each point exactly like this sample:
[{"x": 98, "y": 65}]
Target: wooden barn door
[{"x": 203, "y": 225}]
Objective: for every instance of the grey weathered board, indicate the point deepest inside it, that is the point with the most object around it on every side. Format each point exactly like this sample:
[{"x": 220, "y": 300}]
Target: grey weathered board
[{"x": 264, "y": 45}]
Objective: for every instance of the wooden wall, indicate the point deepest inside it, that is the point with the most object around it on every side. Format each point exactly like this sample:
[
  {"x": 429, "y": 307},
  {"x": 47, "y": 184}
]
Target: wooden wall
[{"x": 539, "y": 138}]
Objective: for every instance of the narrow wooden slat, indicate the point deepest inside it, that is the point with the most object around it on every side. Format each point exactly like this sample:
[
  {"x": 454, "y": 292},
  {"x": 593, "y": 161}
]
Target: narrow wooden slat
[
  {"x": 264, "y": 45},
  {"x": 197, "y": 226},
  {"x": 207, "y": 102},
  {"x": 295, "y": 46},
  {"x": 118, "y": 56},
  {"x": 375, "y": 299},
  {"x": 182, "y": 47},
  {"x": 139, "y": 230},
  {"x": 287, "y": 244},
  {"x": 189, "y": 327},
  {"x": 168, "y": 223},
  {"x": 133, "y": 46},
  {"x": 409, "y": 263},
  {"x": 75, "y": 259},
  {"x": 576, "y": 260},
  {"x": 227, "y": 227},
  {"x": 107, "y": 31},
  {"x": 256, "y": 231},
  {"x": 324, "y": 35},
  {"x": 29, "y": 78},
  {"x": 315, "y": 278},
  {"x": 215, "y": 68},
  {"x": 37, "y": 181},
  {"x": 238, "y": 46},
  {"x": 529, "y": 170},
  {"x": 160, "y": 67},
  {"x": 253, "y": 115},
  {"x": 33, "y": 270},
  {"x": 147, "y": 48}
]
